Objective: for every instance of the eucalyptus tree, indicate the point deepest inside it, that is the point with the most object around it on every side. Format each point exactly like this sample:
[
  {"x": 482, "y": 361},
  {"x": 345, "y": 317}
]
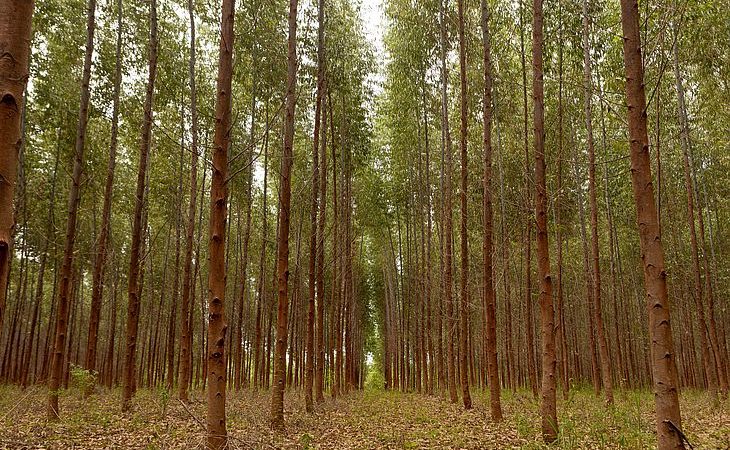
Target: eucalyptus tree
[
  {"x": 217, "y": 326},
  {"x": 104, "y": 230},
  {"x": 663, "y": 364},
  {"x": 282, "y": 255},
  {"x": 73, "y": 207},
  {"x": 15, "y": 26},
  {"x": 595, "y": 252},
  {"x": 187, "y": 286},
  {"x": 488, "y": 243},
  {"x": 547, "y": 314},
  {"x": 133, "y": 288}
]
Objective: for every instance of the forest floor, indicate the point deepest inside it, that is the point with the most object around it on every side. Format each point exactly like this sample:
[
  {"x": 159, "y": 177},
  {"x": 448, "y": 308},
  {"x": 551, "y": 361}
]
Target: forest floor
[{"x": 363, "y": 420}]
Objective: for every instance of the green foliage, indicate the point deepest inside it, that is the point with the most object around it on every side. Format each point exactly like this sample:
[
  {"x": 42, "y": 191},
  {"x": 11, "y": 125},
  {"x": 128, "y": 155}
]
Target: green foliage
[
  {"x": 163, "y": 394},
  {"x": 82, "y": 379},
  {"x": 374, "y": 380}
]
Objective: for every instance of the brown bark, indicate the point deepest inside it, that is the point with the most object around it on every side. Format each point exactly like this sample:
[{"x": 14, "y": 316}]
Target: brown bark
[
  {"x": 171, "y": 327},
  {"x": 310, "y": 355},
  {"x": 488, "y": 244},
  {"x": 547, "y": 315},
  {"x": 15, "y": 35},
  {"x": 133, "y": 290},
  {"x": 429, "y": 360},
  {"x": 109, "y": 373},
  {"x": 559, "y": 310},
  {"x": 664, "y": 370},
  {"x": 595, "y": 254},
  {"x": 282, "y": 254},
  {"x": 623, "y": 367},
  {"x": 530, "y": 336},
  {"x": 59, "y": 354},
  {"x": 448, "y": 219},
  {"x": 100, "y": 262},
  {"x": 313, "y": 362},
  {"x": 321, "y": 224},
  {"x": 709, "y": 353},
  {"x": 262, "y": 258},
  {"x": 465, "y": 349},
  {"x": 239, "y": 375},
  {"x": 587, "y": 277},
  {"x": 336, "y": 268},
  {"x": 186, "y": 357},
  {"x": 217, "y": 325}
]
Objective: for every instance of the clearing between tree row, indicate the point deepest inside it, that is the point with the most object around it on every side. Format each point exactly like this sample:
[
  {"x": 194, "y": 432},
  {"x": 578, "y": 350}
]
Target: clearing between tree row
[{"x": 369, "y": 419}]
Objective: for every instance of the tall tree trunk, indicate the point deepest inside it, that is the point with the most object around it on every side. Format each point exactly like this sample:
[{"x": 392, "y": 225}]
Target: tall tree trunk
[
  {"x": 101, "y": 252},
  {"x": 311, "y": 354},
  {"x": 429, "y": 336},
  {"x": 15, "y": 34},
  {"x": 186, "y": 357},
  {"x": 262, "y": 259},
  {"x": 547, "y": 315},
  {"x": 464, "y": 355},
  {"x": 171, "y": 332},
  {"x": 133, "y": 290},
  {"x": 530, "y": 336},
  {"x": 50, "y": 234},
  {"x": 587, "y": 274},
  {"x": 595, "y": 255},
  {"x": 488, "y": 245},
  {"x": 708, "y": 354},
  {"x": 217, "y": 326},
  {"x": 239, "y": 375},
  {"x": 664, "y": 369},
  {"x": 337, "y": 279},
  {"x": 561, "y": 337},
  {"x": 74, "y": 198},
  {"x": 321, "y": 225},
  {"x": 282, "y": 253},
  {"x": 448, "y": 219},
  {"x": 612, "y": 252}
]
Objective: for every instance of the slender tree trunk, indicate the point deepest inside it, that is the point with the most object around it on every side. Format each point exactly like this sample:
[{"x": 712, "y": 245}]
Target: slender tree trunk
[
  {"x": 50, "y": 235},
  {"x": 664, "y": 369},
  {"x": 109, "y": 372},
  {"x": 100, "y": 262},
  {"x": 488, "y": 244},
  {"x": 547, "y": 315},
  {"x": 447, "y": 210},
  {"x": 217, "y": 325},
  {"x": 595, "y": 255},
  {"x": 186, "y": 357},
  {"x": 708, "y": 354},
  {"x": 262, "y": 258},
  {"x": 133, "y": 291},
  {"x": 561, "y": 337},
  {"x": 612, "y": 252},
  {"x": 74, "y": 198},
  {"x": 337, "y": 268},
  {"x": 282, "y": 253},
  {"x": 429, "y": 361},
  {"x": 321, "y": 225},
  {"x": 171, "y": 332},
  {"x": 716, "y": 340},
  {"x": 239, "y": 375},
  {"x": 531, "y": 362},
  {"x": 311, "y": 354},
  {"x": 464, "y": 355}
]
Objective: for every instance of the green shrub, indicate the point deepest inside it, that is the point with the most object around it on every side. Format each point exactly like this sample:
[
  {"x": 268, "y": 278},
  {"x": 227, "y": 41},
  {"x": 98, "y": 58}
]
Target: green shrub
[{"x": 82, "y": 379}]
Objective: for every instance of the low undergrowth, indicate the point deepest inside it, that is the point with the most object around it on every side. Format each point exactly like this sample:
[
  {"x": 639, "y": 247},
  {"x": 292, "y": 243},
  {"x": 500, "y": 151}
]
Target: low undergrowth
[{"x": 371, "y": 419}]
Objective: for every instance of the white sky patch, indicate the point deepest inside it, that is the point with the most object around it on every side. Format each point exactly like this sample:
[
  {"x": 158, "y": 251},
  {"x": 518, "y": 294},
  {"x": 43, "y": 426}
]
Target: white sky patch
[
  {"x": 371, "y": 13},
  {"x": 373, "y": 20}
]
